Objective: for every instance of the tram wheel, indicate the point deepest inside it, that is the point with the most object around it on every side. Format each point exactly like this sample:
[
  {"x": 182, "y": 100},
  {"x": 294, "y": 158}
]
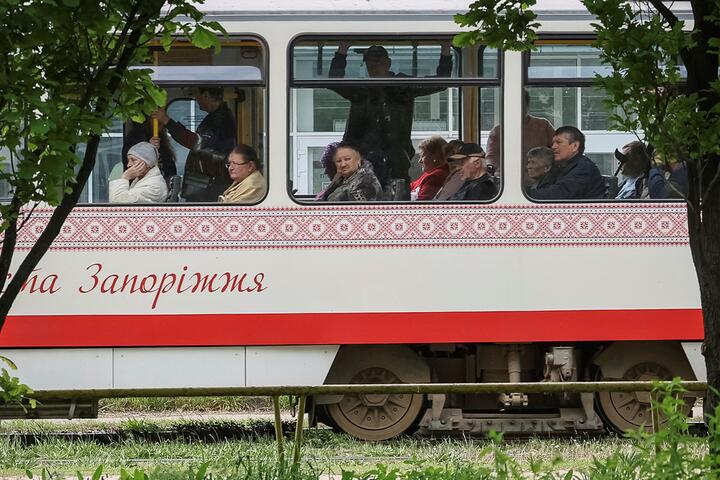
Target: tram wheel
[
  {"x": 376, "y": 416},
  {"x": 624, "y": 411}
]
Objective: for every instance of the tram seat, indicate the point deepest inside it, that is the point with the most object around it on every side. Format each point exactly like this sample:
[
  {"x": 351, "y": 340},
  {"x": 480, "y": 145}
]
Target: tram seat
[
  {"x": 611, "y": 186},
  {"x": 174, "y": 184}
]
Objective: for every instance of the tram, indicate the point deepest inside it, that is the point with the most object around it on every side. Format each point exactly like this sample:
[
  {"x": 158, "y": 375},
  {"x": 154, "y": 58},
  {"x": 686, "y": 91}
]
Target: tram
[{"x": 292, "y": 291}]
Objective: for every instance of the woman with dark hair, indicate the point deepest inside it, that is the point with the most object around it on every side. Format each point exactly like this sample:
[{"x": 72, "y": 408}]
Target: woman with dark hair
[
  {"x": 143, "y": 132},
  {"x": 328, "y": 162},
  {"x": 355, "y": 180}
]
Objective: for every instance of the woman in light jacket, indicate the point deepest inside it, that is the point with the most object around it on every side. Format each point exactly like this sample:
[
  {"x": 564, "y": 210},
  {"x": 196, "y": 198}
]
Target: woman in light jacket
[{"x": 142, "y": 182}]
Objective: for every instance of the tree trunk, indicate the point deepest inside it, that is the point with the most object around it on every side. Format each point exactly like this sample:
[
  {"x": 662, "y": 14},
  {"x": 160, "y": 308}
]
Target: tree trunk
[{"x": 41, "y": 246}]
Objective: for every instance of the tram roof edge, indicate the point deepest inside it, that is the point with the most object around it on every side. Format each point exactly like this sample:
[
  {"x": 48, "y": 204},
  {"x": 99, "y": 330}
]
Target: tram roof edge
[
  {"x": 365, "y": 7},
  {"x": 546, "y": 9}
]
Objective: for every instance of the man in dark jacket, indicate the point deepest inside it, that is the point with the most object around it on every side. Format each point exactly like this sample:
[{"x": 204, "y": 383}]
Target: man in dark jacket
[
  {"x": 209, "y": 145},
  {"x": 577, "y": 177},
  {"x": 380, "y": 119},
  {"x": 477, "y": 185}
]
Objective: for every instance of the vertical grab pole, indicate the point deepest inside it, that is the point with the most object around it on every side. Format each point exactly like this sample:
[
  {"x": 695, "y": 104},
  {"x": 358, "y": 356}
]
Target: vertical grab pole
[
  {"x": 298, "y": 432},
  {"x": 278, "y": 430}
]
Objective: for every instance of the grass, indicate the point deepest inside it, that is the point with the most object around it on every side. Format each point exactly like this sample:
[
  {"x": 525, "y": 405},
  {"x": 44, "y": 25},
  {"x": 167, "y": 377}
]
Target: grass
[
  {"x": 323, "y": 449},
  {"x": 113, "y": 406},
  {"x": 142, "y": 450}
]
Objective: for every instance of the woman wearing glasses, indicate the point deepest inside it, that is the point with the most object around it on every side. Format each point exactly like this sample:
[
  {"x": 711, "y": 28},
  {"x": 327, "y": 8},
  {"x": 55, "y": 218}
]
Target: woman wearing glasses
[{"x": 248, "y": 184}]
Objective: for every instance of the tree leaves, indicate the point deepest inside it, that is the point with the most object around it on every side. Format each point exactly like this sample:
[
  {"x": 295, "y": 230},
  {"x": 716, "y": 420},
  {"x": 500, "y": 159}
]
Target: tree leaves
[
  {"x": 506, "y": 24},
  {"x": 61, "y": 58}
]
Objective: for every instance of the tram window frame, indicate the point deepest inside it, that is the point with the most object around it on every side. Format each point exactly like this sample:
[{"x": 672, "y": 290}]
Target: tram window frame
[
  {"x": 573, "y": 82},
  {"x": 457, "y": 83},
  {"x": 261, "y": 84}
]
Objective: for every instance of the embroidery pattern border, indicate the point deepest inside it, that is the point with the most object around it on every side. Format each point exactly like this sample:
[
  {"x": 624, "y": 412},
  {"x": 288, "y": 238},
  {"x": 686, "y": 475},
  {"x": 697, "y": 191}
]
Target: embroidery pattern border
[{"x": 381, "y": 226}]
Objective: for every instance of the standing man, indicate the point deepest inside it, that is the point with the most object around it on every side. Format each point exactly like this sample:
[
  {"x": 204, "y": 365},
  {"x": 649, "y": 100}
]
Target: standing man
[
  {"x": 205, "y": 176},
  {"x": 380, "y": 120},
  {"x": 577, "y": 178}
]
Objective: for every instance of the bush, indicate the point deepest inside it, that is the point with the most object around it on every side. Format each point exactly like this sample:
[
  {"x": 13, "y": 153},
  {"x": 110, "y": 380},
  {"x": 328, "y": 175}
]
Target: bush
[{"x": 12, "y": 391}]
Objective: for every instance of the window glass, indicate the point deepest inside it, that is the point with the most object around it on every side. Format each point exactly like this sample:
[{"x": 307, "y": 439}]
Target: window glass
[
  {"x": 312, "y": 59},
  {"x": 559, "y": 92},
  {"x": 215, "y": 102},
  {"x": 355, "y": 90},
  {"x": 5, "y": 190},
  {"x": 565, "y": 61}
]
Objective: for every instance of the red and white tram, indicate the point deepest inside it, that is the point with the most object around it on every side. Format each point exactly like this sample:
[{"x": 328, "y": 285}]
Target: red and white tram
[{"x": 293, "y": 291}]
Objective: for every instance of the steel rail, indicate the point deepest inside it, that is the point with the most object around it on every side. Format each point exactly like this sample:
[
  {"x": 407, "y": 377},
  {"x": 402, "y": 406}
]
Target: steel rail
[{"x": 411, "y": 388}]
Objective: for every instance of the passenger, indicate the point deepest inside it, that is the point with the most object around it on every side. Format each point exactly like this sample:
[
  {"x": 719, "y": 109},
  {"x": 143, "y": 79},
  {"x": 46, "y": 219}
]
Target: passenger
[
  {"x": 454, "y": 180},
  {"x": 380, "y": 119},
  {"x": 634, "y": 166},
  {"x": 536, "y": 132},
  {"x": 577, "y": 176},
  {"x": 355, "y": 180},
  {"x": 328, "y": 162},
  {"x": 540, "y": 166},
  {"x": 668, "y": 179},
  {"x": 143, "y": 132},
  {"x": 205, "y": 175},
  {"x": 248, "y": 185},
  {"x": 477, "y": 184},
  {"x": 435, "y": 169},
  {"x": 142, "y": 182}
]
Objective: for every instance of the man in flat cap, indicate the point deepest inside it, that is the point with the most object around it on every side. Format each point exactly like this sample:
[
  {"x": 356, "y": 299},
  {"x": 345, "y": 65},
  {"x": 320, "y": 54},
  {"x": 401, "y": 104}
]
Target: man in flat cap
[
  {"x": 477, "y": 183},
  {"x": 380, "y": 119}
]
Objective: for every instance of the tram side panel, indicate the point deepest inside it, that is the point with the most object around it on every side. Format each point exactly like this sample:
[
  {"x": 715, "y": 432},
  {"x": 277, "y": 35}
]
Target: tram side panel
[{"x": 313, "y": 299}]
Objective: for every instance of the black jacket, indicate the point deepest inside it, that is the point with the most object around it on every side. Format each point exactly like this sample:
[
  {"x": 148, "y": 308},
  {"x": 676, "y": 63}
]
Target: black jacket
[
  {"x": 579, "y": 179},
  {"x": 380, "y": 119},
  {"x": 482, "y": 188},
  {"x": 208, "y": 153}
]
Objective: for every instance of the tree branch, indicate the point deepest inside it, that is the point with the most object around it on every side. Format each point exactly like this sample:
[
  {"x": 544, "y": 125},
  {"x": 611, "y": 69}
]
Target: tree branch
[
  {"x": 666, "y": 13},
  {"x": 71, "y": 198},
  {"x": 8, "y": 243}
]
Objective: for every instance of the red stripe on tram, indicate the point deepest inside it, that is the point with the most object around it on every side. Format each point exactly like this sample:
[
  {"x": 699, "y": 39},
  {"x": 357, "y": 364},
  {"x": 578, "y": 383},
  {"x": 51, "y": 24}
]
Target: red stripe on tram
[{"x": 350, "y": 328}]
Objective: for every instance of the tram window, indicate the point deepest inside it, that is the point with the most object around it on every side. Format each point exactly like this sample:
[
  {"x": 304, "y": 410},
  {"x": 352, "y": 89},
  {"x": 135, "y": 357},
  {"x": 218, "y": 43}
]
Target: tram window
[
  {"x": 385, "y": 97},
  {"x": 215, "y": 101},
  {"x": 561, "y": 90},
  {"x": 5, "y": 189}
]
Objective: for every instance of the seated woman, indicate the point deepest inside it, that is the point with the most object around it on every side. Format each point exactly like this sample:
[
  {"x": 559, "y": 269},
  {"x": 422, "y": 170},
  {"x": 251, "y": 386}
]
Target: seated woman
[
  {"x": 143, "y": 132},
  {"x": 248, "y": 185},
  {"x": 435, "y": 169},
  {"x": 142, "y": 182},
  {"x": 355, "y": 180}
]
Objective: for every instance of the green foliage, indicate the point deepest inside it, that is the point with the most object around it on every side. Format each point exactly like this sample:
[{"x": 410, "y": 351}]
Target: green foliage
[
  {"x": 667, "y": 453},
  {"x": 645, "y": 46},
  {"x": 506, "y": 24},
  {"x": 12, "y": 391},
  {"x": 645, "y": 50},
  {"x": 63, "y": 79}
]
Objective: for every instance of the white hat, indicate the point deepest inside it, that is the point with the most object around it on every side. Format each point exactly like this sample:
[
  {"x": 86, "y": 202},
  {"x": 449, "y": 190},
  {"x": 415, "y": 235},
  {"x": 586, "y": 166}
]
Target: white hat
[{"x": 146, "y": 152}]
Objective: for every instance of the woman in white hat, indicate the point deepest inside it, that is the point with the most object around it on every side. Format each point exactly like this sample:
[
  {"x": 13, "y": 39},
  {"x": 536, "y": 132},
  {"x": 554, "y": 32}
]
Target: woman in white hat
[{"x": 142, "y": 182}]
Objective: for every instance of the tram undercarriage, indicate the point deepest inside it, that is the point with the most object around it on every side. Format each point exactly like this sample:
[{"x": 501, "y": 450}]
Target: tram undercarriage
[{"x": 379, "y": 417}]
